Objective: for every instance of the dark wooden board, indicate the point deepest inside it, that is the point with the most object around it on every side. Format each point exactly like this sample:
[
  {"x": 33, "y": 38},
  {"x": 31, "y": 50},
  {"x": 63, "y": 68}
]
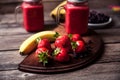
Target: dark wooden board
[{"x": 31, "y": 64}]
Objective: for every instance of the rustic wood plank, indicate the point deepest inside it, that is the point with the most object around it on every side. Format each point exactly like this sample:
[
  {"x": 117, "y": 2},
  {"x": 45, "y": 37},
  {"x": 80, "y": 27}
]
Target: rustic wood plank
[
  {"x": 111, "y": 53},
  {"x": 8, "y": 25},
  {"x": 12, "y": 42},
  {"x": 10, "y": 20},
  {"x": 13, "y": 1},
  {"x": 9, "y": 1},
  {"x": 106, "y": 71},
  {"x": 102, "y": 3},
  {"x": 9, "y": 7},
  {"x": 14, "y": 36},
  {"x": 109, "y": 35},
  {"x": 12, "y": 29},
  {"x": 16, "y": 29},
  {"x": 9, "y": 59}
]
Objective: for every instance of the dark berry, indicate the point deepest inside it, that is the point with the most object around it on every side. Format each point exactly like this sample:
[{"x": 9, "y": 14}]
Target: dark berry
[{"x": 95, "y": 17}]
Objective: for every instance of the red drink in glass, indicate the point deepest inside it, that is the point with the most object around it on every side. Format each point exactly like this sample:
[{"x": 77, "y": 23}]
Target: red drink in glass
[
  {"x": 33, "y": 15},
  {"x": 76, "y": 20}
]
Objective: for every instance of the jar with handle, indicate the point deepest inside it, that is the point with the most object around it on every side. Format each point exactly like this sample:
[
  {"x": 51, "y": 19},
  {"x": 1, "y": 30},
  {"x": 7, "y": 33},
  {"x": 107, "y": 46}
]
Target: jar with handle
[
  {"x": 33, "y": 15},
  {"x": 76, "y": 17}
]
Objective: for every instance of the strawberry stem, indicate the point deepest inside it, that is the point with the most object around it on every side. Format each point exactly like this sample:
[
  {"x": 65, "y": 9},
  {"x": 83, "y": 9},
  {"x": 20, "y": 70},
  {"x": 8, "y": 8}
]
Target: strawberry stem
[
  {"x": 70, "y": 36},
  {"x": 43, "y": 57},
  {"x": 74, "y": 45},
  {"x": 56, "y": 35},
  {"x": 56, "y": 51}
]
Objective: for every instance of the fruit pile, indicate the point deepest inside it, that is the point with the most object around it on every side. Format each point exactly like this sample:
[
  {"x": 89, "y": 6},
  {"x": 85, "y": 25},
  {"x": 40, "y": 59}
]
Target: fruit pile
[
  {"x": 64, "y": 46},
  {"x": 96, "y": 17}
]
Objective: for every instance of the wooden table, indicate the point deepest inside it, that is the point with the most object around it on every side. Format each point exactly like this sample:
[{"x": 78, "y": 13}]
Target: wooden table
[{"x": 106, "y": 68}]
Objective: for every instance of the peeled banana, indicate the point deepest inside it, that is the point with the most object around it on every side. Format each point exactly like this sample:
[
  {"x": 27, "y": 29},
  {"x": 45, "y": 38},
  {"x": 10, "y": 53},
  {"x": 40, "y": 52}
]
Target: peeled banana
[
  {"x": 53, "y": 13},
  {"x": 30, "y": 43}
]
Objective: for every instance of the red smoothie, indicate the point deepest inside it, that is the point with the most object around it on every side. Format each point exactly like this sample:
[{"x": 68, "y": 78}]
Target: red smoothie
[
  {"x": 33, "y": 16},
  {"x": 76, "y": 20}
]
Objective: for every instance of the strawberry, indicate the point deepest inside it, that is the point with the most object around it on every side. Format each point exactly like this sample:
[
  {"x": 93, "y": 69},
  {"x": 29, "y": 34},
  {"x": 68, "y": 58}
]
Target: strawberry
[
  {"x": 78, "y": 46},
  {"x": 43, "y": 55},
  {"x": 75, "y": 37},
  {"x": 63, "y": 42},
  {"x": 44, "y": 43},
  {"x": 61, "y": 55}
]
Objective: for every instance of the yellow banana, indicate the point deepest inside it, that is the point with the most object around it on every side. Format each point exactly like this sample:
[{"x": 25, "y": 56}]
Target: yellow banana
[
  {"x": 53, "y": 13},
  {"x": 30, "y": 43}
]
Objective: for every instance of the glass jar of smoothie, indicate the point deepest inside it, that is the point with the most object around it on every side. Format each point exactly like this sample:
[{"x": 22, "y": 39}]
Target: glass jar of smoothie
[
  {"x": 76, "y": 18},
  {"x": 33, "y": 16}
]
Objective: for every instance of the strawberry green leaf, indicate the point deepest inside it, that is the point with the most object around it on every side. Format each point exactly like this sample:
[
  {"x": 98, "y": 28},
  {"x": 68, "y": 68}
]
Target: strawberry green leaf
[
  {"x": 74, "y": 45},
  {"x": 56, "y": 51},
  {"x": 56, "y": 35},
  {"x": 70, "y": 36},
  {"x": 43, "y": 57}
]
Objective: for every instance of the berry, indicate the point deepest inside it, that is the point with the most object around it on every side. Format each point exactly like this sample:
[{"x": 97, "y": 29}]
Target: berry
[
  {"x": 42, "y": 54},
  {"x": 78, "y": 46},
  {"x": 75, "y": 37},
  {"x": 44, "y": 43},
  {"x": 61, "y": 55},
  {"x": 95, "y": 17},
  {"x": 63, "y": 42}
]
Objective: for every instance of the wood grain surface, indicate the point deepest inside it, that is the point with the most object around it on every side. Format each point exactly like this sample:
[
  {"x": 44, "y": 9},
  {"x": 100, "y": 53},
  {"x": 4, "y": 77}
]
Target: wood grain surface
[{"x": 12, "y": 35}]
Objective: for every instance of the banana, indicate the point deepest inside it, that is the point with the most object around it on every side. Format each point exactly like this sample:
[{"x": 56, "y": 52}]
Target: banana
[
  {"x": 30, "y": 43},
  {"x": 53, "y": 13}
]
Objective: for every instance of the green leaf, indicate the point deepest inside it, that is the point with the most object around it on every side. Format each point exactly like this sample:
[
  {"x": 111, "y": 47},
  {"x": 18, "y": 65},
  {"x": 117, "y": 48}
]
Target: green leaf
[
  {"x": 56, "y": 35},
  {"x": 56, "y": 51},
  {"x": 74, "y": 45},
  {"x": 43, "y": 57},
  {"x": 70, "y": 36}
]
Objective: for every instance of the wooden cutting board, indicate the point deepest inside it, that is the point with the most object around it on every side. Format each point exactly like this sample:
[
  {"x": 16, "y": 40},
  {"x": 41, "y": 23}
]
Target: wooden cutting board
[{"x": 91, "y": 38}]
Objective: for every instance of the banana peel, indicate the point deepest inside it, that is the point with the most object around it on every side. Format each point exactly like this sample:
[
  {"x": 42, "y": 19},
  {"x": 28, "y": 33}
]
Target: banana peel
[{"x": 53, "y": 13}]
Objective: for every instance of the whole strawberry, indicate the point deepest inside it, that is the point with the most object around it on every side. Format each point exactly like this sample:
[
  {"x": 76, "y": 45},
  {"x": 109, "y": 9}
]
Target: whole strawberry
[
  {"x": 43, "y": 55},
  {"x": 78, "y": 46},
  {"x": 63, "y": 42},
  {"x": 75, "y": 37},
  {"x": 44, "y": 43},
  {"x": 61, "y": 55}
]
